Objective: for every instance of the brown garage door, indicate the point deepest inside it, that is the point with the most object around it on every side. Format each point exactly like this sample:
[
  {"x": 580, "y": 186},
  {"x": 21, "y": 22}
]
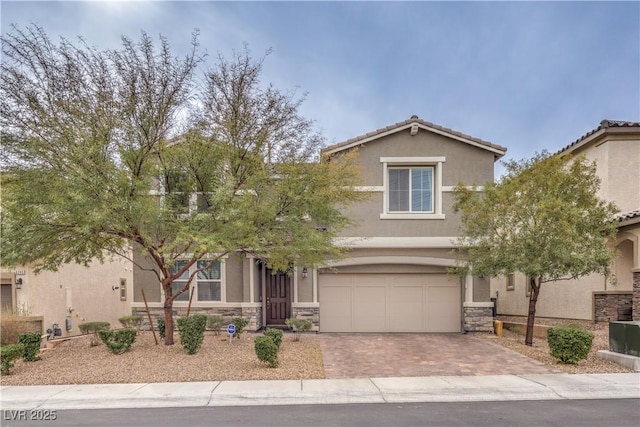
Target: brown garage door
[{"x": 389, "y": 303}]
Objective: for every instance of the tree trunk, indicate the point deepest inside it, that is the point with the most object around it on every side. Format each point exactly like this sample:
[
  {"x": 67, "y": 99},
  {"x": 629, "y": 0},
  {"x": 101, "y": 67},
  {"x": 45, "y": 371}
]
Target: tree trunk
[
  {"x": 168, "y": 312},
  {"x": 533, "y": 299},
  {"x": 168, "y": 323}
]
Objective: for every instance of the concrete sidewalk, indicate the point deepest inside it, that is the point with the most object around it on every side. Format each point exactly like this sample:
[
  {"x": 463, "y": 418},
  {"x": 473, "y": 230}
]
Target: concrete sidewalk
[{"x": 331, "y": 391}]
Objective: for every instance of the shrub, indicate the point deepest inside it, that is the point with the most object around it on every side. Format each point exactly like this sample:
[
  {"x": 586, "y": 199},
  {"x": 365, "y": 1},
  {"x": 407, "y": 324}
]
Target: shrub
[
  {"x": 266, "y": 350},
  {"x": 276, "y": 336},
  {"x": 94, "y": 328},
  {"x": 31, "y": 343},
  {"x": 299, "y": 325},
  {"x": 8, "y": 355},
  {"x": 215, "y": 324},
  {"x": 131, "y": 321},
  {"x": 240, "y": 323},
  {"x": 161, "y": 327},
  {"x": 569, "y": 345},
  {"x": 192, "y": 332},
  {"x": 118, "y": 341}
]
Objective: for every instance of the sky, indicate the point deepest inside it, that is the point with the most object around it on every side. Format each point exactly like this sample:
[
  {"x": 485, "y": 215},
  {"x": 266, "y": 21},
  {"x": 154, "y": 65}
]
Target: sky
[{"x": 529, "y": 76}]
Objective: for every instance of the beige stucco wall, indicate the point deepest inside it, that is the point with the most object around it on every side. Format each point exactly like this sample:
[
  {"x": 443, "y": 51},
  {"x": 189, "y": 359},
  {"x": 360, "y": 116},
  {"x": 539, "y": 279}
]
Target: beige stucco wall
[
  {"x": 76, "y": 292},
  {"x": 618, "y": 167},
  {"x": 367, "y": 214},
  {"x": 234, "y": 280},
  {"x": 572, "y": 299},
  {"x": 481, "y": 289},
  {"x": 622, "y": 181},
  {"x": 145, "y": 279},
  {"x": 305, "y": 285},
  {"x": 464, "y": 163}
]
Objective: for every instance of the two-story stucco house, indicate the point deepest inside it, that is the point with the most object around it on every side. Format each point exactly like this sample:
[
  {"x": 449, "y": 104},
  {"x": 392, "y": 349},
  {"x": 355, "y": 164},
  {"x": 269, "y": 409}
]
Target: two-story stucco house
[
  {"x": 395, "y": 279},
  {"x": 614, "y": 146}
]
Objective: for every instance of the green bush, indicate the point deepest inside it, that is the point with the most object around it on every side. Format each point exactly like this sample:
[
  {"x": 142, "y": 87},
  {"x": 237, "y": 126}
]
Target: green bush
[
  {"x": 161, "y": 327},
  {"x": 276, "y": 336},
  {"x": 131, "y": 321},
  {"x": 118, "y": 341},
  {"x": 240, "y": 323},
  {"x": 8, "y": 355},
  {"x": 215, "y": 324},
  {"x": 569, "y": 345},
  {"x": 31, "y": 343},
  {"x": 192, "y": 332},
  {"x": 266, "y": 350},
  {"x": 298, "y": 325},
  {"x": 94, "y": 328}
]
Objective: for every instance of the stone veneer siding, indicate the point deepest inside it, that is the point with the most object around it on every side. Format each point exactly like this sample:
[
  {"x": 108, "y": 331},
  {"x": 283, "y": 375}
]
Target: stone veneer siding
[
  {"x": 611, "y": 305},
  {"x": 309, "y": 313},
  {"x": 636, "y": 296},
  {"x": 478, "y": 319},
  {"x": 252, "y": 314}
]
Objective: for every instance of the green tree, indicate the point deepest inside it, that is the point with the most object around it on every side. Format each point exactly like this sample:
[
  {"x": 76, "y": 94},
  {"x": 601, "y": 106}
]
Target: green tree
[
  {"x": 110, "y": 152},
  {"x": 543, "y": 219}
]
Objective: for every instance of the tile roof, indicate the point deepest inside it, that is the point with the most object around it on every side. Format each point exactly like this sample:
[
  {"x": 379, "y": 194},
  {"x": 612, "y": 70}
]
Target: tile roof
[
  {"x": 627, "y": 215},
  {"x": 605, "y": 124},
  {"x": 414, "y": 119}
]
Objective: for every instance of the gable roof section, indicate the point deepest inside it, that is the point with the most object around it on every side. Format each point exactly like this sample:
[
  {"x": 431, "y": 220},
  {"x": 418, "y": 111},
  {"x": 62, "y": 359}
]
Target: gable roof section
[
  {"x": 414, "y": 123},
  {"x": 606, "y": 126}
]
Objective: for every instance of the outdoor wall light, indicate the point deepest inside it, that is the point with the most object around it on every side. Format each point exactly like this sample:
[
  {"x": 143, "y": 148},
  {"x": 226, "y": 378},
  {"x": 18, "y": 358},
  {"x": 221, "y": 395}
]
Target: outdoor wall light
[
  {"x": 305, "y": 273},
  {"x": 19, "y": 283}
]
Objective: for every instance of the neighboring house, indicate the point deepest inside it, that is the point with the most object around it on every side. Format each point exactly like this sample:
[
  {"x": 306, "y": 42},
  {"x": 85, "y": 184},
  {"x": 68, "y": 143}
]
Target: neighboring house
[
  {"x": 615, "y": 148},
  {"x": 74, "y": 294},
  {"x": 396, "y": 277}
]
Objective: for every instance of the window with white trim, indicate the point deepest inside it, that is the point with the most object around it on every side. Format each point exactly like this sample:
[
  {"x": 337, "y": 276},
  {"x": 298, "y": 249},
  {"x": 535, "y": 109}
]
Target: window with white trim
[
  {"x": 412, "y": 187},
  {"x": 207, "y": 284},
  {"x": 511, "y": 282}
]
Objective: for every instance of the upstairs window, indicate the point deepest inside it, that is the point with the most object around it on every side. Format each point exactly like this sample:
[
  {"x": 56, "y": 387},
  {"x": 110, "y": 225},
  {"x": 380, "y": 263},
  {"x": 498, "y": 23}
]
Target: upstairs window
[{"x": 411, "y": 189}]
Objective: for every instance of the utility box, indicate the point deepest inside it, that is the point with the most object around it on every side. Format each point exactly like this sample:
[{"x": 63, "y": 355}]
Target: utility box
[{"x": 624, "y": 338}]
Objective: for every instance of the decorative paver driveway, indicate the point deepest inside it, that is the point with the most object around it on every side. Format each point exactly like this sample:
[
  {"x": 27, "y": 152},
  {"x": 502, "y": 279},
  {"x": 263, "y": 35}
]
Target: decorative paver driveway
[{"x": 416, "y": 355}]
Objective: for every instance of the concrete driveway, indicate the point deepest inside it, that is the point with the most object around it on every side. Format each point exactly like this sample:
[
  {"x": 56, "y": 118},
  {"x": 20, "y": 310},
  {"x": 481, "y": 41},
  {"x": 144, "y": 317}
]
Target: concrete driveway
[{"x": 415, "y": 355}]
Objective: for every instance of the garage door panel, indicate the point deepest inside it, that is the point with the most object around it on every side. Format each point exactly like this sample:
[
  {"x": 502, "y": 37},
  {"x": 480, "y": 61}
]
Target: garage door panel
[
  {"x": 370, "y": 308},
  {"x": 406, "y": 306},
  {"x": 443, "y": 309},
  {"x": 444, "y": 280},
  {"x": 336, "y": 309}
]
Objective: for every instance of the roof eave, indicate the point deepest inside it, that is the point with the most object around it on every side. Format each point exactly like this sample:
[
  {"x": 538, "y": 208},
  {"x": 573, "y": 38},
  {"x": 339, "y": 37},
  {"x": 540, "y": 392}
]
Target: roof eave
[{"x": 496, "y": 149}]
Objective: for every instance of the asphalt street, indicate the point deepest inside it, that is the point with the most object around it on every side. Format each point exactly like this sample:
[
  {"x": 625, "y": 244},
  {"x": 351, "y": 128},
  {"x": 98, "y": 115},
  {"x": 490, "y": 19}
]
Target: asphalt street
[{"x": 564, "y": 413}]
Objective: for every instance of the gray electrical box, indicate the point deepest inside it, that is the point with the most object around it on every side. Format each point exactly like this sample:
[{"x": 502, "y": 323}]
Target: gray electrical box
[{"x": 624, "y": 338}]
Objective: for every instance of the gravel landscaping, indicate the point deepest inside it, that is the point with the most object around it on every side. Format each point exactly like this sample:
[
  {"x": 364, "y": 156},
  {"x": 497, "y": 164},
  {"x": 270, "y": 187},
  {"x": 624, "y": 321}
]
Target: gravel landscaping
[
  {"x": 76, "y": 362},
  {"x": 540, "y": 349}
]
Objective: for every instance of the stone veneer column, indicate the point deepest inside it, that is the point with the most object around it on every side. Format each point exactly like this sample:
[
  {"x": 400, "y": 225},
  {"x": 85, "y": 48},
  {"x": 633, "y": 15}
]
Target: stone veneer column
[
  {"x": 478, "y": 316},
  {"x": 636, "y": 296},
  {"x": 309, "y": 313}
]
